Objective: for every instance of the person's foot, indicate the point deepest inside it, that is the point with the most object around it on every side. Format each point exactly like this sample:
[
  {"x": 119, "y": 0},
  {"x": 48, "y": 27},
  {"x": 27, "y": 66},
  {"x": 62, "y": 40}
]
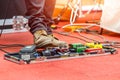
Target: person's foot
[{"x": 42, "y": 40}]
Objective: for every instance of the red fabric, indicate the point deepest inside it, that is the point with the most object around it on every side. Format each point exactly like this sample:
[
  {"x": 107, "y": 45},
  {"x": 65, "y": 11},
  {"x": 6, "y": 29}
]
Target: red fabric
[{"x": 92, "y": 68}]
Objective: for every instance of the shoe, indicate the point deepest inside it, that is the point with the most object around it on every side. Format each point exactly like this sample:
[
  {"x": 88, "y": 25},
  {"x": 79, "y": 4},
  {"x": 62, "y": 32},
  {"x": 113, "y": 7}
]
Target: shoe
[
  {"x": 57, "y": 42},
  {"x": 42, "y": 40}
]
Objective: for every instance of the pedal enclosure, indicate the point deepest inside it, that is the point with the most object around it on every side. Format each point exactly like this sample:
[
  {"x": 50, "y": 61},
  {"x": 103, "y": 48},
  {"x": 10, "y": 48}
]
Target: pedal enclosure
[{"x": 16, "y": 57}]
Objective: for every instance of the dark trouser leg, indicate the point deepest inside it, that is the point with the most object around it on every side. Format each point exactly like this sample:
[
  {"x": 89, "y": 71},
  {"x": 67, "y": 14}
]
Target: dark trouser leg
[
  {"x": 48, "y": 11},
  {"x": 40, "y": 12}
]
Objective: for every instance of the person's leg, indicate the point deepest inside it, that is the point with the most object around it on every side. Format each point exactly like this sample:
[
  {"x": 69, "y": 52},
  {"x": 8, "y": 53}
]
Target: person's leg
[
  {"x": 39, "y": 23},
  {"x": 35, "y": 10},
  {"x": 48, "y": 11}
]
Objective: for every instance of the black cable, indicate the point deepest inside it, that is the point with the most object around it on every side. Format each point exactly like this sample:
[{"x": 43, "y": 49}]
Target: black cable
[
  {"x": 5, "y": 17},
  {"x": 87, "y": 37},
  {"x": 116, "y": 46},
  {"x": 70, "y": 36},
  {"x": 11, "y": 45},
  {"x": 8, "y": 46},
  {"x": 93, "y": 33},
  {"x": 4, "y": 51}
]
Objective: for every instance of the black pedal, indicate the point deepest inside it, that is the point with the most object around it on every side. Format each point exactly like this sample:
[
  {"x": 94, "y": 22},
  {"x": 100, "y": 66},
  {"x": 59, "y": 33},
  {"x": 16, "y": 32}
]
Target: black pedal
[{"x": 27, "y": 52}]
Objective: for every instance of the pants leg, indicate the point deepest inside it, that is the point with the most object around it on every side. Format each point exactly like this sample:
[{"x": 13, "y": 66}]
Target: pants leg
[
  {"x": 48, "y": 11},
  {"x": 40, "y": 12}
]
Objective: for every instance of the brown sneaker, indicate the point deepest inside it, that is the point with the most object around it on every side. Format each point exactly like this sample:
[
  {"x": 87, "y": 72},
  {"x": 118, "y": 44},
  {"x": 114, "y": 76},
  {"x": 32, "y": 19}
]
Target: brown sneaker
[
  {"x": 42, "y": 40},
  {"x": 57, "y": 43}
]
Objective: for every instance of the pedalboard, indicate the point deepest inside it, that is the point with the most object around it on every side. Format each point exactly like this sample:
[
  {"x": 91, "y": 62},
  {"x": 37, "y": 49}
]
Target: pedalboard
[{"x": 29, "y": 54}]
